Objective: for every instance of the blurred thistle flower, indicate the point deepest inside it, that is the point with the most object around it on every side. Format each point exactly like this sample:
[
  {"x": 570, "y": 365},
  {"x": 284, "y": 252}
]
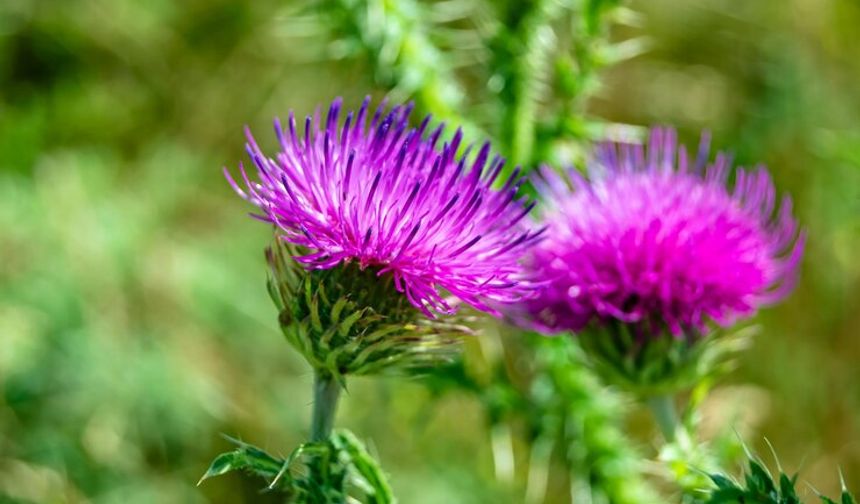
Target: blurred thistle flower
[
  {"x": 382, "y": 220},
  {"x": 648, "y": 249}
]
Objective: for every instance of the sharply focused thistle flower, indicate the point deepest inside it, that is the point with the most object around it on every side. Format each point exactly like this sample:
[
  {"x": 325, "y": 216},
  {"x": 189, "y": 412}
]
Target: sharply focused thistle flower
[
  {"x": 376, "y": 226},
  {"x": 379, "y": 214},
  {"x": 389, "y": 198},
  {"x": 652, "y": 244}
]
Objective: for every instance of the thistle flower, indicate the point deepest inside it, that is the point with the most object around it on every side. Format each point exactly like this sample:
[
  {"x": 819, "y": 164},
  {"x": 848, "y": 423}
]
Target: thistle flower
[
  {"x": 652, "y": 244},
  {"x": 388, "y": 197},
  {"x": 374, "y": 223}
]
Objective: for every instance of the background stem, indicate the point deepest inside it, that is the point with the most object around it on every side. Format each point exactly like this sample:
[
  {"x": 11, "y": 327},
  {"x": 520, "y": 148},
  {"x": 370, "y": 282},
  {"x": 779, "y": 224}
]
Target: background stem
[
  {"x": 326, "y": 394},
  {"x": 663, "y": 409}
]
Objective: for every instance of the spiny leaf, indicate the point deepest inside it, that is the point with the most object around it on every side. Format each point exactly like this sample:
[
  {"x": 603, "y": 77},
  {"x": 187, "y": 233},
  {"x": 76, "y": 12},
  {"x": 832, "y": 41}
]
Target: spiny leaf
[
  {"x": 338, "y": 469},
  {"x": 222, "y": 464},
  {"x": 246, "y": 457},
  {"x": 760, "y": 488}
]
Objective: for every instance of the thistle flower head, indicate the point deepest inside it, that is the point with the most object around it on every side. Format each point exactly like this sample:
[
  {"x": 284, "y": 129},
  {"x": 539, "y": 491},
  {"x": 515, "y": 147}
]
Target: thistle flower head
[
  {"x": 661, "y": 243},
  {"x": 390, "y": 198}
]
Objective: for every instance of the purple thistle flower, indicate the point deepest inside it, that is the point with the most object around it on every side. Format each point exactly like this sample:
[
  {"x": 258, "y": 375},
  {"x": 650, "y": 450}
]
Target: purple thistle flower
[
  {"x": 656, "y": 242},
  {"x": 388, "y": 197}
]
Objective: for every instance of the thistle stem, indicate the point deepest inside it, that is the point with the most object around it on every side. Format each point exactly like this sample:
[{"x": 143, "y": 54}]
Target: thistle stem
[
  {"x": 663, "y": 409},
  {"x": 326, "y": 394}
]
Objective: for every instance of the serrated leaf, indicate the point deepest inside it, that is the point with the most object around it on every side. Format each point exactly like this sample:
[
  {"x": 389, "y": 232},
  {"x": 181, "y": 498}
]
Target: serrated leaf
[{"x": 247, "y": 458}]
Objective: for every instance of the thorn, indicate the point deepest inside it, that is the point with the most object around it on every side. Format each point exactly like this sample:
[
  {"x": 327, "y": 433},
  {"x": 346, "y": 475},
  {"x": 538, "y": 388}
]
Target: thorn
[
  {"x": 814, "y": 490},
  {"x": 280, "y": 474},
  {"x": 773, "y": 452},
  {"x": 744, "y": 445},
  {"x": 233, "y": 440}
]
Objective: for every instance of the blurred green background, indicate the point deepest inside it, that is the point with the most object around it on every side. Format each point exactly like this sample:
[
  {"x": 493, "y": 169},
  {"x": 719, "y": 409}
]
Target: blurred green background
[{"x": 134, "y": 323}]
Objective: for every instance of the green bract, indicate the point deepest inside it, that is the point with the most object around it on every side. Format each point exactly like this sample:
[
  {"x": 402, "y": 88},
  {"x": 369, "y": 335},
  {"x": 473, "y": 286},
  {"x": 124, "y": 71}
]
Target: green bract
[
  {"x": 661, "y": 365},
  {"x": 348, "y": 320}
]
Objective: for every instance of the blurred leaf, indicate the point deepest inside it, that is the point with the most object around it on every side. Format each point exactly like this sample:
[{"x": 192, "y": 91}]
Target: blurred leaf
[{"x": 333, "y": 470}]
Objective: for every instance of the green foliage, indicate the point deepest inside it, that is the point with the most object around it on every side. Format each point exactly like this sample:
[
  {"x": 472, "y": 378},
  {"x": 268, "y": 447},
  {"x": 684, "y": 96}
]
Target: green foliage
[
  {"x": 351, "y": 321},
  {"x": 394, "y": 37},
  {"x": 759, "y": 486},
  {"x": 571, "y": 405},
  {"x": 335, "y": 470},
  {"x": 688, "y": 461},
  {"x": 522, "y": 52},
  {"x": 567, "y": 417},
  {"x": 546, "y": 59}
]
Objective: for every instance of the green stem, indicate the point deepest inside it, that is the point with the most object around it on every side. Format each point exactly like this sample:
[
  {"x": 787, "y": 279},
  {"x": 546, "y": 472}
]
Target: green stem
[
  {"x": 326, "y": 393},
  {"x": 663, "y": 409},
  {"x": 522, "y": 61}
]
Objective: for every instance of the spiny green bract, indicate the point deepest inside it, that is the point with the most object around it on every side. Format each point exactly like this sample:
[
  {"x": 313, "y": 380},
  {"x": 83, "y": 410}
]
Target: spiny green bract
[
  {"x": 347, "y": 320},
  {"x": 338, "y": 469},
  {"x": 658, "y": 366},
  {"x": 759, "y": 487}
]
